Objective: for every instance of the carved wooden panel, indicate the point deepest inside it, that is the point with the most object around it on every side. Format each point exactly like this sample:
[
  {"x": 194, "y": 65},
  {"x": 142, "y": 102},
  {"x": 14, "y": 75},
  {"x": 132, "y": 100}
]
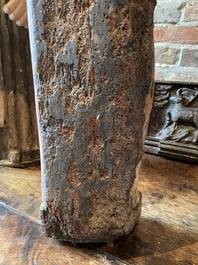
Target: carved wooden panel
[{"x": 173, "y": 129}]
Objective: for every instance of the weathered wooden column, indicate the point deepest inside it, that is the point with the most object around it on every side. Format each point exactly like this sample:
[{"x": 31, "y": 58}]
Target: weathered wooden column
[
  {"x": 93, "y": 74},
  {"x": 19, "y": 145}
]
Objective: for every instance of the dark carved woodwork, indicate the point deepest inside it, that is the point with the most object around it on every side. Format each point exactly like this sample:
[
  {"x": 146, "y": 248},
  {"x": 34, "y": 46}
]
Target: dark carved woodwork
[
  {"x": 173, "y": 129},
  {"x": 18, "y": 126},
  {"x": 93, "y": 73}
]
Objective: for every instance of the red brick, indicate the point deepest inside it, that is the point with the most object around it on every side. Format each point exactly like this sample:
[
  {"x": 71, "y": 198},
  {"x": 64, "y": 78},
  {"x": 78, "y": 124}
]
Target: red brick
[{"x": 176, "y": 34}]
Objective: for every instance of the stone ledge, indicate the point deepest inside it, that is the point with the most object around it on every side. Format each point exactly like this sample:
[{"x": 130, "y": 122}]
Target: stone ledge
[{"x": 177, "y": 74}]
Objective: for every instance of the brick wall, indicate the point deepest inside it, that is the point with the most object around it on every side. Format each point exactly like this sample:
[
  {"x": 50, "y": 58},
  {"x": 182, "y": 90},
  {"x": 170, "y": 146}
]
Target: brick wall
[{"x": 176, "y": 41}]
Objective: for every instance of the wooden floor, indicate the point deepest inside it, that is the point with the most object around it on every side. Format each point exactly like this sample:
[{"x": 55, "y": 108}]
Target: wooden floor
[{"x": 166, "y": 235}]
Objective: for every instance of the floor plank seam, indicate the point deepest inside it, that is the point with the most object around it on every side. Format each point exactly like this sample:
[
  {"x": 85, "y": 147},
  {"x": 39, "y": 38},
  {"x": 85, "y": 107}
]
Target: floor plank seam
[{"x": 21, "y": 213}]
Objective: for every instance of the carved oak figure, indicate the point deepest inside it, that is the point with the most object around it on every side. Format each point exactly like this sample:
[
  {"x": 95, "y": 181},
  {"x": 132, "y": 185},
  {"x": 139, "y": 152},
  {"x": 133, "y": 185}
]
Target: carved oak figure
[
  {"x": 17, "y": 11},
  {"x": 18, "y": 124}
]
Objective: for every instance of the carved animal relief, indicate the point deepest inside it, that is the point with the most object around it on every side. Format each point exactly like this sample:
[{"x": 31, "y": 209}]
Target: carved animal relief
[{"x": 174, "y": 121}]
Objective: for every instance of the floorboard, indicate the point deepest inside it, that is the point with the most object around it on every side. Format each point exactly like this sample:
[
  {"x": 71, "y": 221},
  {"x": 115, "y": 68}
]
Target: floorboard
[
  {"x": 22, "y": 242},
  {"x": 20, "y": 188},
  {"x": 166, "y": 235}
]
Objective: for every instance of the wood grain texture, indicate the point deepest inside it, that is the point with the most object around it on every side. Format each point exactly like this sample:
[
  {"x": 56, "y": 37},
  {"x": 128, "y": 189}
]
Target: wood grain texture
[
  {"x": 21, "y": 189},
  {"x": 181, "y": 256},
  {"x": 167, "y": 233},
  {"x": 22, "y": 242}
]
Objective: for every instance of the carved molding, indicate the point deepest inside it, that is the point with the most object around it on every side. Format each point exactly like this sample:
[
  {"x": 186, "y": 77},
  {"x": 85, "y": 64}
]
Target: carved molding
[{"x": 173, "y": 128}]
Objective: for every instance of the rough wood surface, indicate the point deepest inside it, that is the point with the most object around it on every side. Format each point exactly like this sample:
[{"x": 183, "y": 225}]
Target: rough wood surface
[
  {"x": 93, "y": 74},
  {"x": 18, "y": 125},
  {"x": 167, "y": 233}
]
